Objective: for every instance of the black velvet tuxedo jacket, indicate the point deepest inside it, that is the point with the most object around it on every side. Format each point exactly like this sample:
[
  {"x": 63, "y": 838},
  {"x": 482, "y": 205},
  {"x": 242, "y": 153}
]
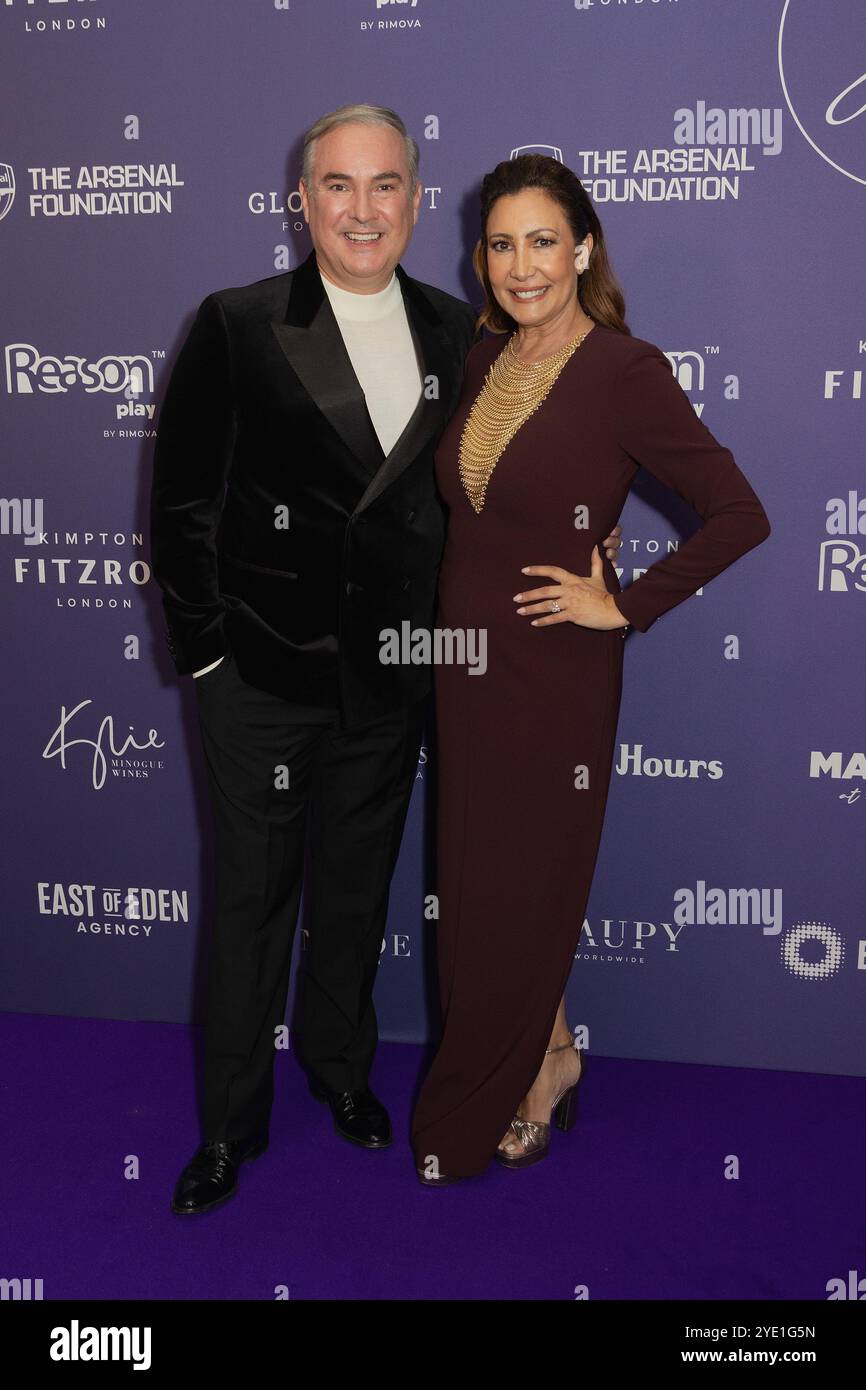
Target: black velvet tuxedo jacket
[{"x": 279, "y": 529}]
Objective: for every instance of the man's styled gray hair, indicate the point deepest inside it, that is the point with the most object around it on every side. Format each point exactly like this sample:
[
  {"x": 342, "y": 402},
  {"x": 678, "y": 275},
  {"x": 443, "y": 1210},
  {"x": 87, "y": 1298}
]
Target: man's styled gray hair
[{"x": 359, "y": 114}]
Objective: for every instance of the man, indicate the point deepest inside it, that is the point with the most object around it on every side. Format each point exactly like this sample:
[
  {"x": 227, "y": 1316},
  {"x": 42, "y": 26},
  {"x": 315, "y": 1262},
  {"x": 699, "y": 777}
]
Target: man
[{"x": 294, "y": 515}]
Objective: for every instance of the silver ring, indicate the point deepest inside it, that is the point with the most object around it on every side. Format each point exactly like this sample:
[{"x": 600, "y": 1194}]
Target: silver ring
[{"x": 554, "y": 608}]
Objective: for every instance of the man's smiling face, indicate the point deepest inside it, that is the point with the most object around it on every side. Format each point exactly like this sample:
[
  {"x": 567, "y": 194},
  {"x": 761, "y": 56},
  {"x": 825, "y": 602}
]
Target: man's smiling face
[{"x": 359, "y": 205}]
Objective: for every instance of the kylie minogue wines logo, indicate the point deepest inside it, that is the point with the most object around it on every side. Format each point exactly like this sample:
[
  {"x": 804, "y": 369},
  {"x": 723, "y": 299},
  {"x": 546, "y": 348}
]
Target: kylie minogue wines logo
[{"x": 110, "y": 752}]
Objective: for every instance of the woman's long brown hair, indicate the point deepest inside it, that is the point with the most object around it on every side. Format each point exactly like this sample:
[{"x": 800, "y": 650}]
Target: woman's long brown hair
[{"x": 598, "y": 290}]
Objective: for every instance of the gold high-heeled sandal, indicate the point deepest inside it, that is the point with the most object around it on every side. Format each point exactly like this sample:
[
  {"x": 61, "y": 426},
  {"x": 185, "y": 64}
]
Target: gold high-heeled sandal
[{"x": 534, "y": 1135}]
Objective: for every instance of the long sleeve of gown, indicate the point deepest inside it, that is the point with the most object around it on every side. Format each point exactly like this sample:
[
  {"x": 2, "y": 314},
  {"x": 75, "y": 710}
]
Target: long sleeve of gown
[{"x": 658, "y": 428}]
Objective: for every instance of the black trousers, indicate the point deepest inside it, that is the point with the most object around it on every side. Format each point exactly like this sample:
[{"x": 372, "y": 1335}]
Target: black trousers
[{"x": 274, "y": 781}]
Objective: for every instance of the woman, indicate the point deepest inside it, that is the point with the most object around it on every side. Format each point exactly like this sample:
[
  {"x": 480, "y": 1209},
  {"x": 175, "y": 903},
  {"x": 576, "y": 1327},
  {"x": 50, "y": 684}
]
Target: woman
[{"x": 535, "y": 466}]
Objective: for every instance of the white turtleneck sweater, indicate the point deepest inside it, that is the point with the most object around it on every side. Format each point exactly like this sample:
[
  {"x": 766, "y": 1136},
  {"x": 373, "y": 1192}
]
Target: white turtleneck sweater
[
  {"x": 376, "y": 333},
  {"x": 375, "y": 330}
]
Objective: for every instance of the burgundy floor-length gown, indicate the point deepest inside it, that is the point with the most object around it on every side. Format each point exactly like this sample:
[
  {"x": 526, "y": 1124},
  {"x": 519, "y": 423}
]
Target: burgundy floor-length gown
[{"x": 526, "y": 749}]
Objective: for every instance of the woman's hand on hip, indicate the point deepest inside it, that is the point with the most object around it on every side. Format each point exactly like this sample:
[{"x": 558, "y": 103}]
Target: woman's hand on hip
[{"x": 583, "y": 601}]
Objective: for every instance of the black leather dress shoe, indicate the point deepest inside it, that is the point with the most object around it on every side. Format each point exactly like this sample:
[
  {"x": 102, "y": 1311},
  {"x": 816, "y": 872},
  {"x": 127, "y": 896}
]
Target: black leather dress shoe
[
  {"x": 358, "y": 1115},
  {"x": 211, "y": 1176}
]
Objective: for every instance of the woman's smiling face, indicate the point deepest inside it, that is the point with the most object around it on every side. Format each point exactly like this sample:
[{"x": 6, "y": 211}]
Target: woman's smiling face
[{"x": 530, "y": 250}]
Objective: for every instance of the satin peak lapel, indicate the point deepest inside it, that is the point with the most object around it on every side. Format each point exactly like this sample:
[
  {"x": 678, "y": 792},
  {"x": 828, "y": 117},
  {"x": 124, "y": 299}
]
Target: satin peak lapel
[
  {"x": 317, "y": 354},
  {"x": 436, "y": 363}
]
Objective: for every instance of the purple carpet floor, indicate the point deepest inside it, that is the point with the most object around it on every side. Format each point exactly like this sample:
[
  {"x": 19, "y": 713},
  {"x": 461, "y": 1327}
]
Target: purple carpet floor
[{"x": 634, "y": 1203}]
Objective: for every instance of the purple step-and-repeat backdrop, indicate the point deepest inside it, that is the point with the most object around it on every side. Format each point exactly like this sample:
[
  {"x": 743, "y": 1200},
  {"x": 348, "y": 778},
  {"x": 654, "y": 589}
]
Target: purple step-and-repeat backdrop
[{"x": 149, "y": 155}]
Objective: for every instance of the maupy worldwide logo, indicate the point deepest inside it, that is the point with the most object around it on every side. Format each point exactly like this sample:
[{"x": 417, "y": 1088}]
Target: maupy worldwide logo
[{"x": 822, "y": 68}]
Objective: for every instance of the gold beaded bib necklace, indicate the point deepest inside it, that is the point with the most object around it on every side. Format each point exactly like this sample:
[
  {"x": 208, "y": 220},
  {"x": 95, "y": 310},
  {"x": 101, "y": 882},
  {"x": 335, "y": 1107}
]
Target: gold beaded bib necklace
[{"x": 512, "y": 391}]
